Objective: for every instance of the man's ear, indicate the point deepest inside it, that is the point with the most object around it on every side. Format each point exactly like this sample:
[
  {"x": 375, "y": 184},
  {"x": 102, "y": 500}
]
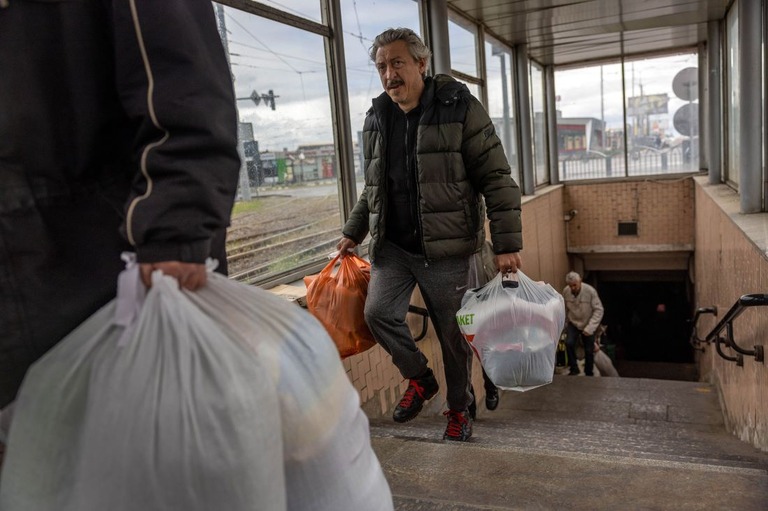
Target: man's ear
[{"x": 422, "y": 65}]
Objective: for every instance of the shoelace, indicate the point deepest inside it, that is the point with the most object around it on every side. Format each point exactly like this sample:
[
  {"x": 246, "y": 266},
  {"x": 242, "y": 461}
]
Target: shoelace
[
  {"x": 413, "y": 389},
  {"x": 456, "y": 423}
]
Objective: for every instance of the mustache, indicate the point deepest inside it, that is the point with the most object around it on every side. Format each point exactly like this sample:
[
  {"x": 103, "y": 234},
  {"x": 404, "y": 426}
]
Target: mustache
[{"x": 394, "y": 83}]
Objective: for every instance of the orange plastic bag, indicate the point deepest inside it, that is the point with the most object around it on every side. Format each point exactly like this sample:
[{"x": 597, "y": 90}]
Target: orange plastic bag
[{"x": 338, "y": 301}]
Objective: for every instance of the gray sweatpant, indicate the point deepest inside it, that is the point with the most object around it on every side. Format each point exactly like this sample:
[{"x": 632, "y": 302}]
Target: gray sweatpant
[{"x": 442, "y": 283}]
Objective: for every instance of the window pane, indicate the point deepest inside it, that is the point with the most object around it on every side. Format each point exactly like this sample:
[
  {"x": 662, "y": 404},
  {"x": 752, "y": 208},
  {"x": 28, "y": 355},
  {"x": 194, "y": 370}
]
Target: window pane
[
  {"x": 661, "y": 111},
  {"x": 539, "y": 125},
  {"x": 500, "y": 83},
  {"x": 362, "y": 22},
  {"x": 590, "y": 120},
  {"x": 474, "y": 89},
  {"x": 662, "y": 114},
  {"x": 463, "y": 45},
  {"x": 733, "y": 103},
  {"x": 309, "y": 9},
  {"x": 292, "y": 217}
]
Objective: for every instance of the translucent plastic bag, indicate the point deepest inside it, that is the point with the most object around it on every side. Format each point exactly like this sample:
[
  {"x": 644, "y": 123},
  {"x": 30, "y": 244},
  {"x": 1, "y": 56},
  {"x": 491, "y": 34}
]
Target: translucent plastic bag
[
  {"x": 513, "y": 327},
  {"x": 328, "y": 459},
  {"x": 338, "y": 301},
  {"x": 146, "y": 407},
  {"x": 604, "y": 365}
]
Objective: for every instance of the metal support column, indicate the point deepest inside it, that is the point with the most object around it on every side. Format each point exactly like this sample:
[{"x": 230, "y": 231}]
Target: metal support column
[
  {"x": 714, "y": 118},
  {"x": 482, "y": 69},
  {"x": 525, "y": 127},
  {"x": 342, "y": 128},
  {"x": 751, "y": 111},
  {"x": 765, "y": 109},
  {"x": 437, "y": 36},
  {"x": 703, "y": 108},
  {"x": 550, "y": 104}
]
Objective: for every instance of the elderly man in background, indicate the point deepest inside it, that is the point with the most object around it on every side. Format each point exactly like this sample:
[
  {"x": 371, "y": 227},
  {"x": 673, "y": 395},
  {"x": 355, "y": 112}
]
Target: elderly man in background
[{"x": 584, "y": 311}]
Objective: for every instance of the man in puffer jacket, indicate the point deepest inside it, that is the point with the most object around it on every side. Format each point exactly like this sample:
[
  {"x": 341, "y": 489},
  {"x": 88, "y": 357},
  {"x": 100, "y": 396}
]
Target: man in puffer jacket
[
  {"x": 431, "y": 155},
  {"x": 115, "y": 117}
]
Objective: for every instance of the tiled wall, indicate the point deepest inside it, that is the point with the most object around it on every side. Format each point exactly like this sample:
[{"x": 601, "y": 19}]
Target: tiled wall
[
  {"x": 544, "y": 258},
  {"x": 663, "y": 210},
  {"x": 730, "y": 263}
]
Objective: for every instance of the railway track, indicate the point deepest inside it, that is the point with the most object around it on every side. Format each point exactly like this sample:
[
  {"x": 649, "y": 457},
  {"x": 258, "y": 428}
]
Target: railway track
[
  {"x": 285, "y": 232},
  {"x": 278, "y": 213},
  {"x": 252, "y": 274}
]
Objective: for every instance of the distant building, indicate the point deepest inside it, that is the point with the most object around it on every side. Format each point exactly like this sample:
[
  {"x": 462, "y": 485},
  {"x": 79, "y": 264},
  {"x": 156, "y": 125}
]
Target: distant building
[{"x": 576, "y": 135}]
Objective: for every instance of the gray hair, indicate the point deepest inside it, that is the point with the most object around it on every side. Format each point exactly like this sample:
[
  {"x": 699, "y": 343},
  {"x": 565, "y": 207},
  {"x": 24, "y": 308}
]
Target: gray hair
[
  {"x": 416, "y": 46},
  {"x": 572, "y": 277}
]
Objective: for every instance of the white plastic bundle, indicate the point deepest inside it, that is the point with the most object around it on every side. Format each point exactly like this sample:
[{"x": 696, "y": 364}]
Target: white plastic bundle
[
  {"x": 514, "y": 330},
  {"x": 165, "y": 413},
  {"x": 328, "y": 459},
  {"x": 227, "y": 398},
  {"x": 605, "y": 365}
]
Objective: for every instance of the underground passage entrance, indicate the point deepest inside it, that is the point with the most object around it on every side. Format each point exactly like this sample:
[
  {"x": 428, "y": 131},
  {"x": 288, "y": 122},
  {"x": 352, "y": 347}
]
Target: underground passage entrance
[{"x": 647, "y": 314}]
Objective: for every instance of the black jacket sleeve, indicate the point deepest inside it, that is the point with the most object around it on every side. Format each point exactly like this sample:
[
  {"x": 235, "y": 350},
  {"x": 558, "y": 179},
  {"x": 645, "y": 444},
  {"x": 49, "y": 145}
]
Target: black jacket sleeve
[{"x": 175, "y": 85}]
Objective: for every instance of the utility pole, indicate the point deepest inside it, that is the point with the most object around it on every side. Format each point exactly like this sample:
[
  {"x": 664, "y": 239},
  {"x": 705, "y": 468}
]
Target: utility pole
[
  {"x": 602, "y": 110},
  {"x": 245, "y": 184}
]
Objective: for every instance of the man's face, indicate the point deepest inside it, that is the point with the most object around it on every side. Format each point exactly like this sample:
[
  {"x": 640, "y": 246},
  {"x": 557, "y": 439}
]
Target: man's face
[
  {"x": 401, "y": 74},
  {"x": 575, "y": 287}
]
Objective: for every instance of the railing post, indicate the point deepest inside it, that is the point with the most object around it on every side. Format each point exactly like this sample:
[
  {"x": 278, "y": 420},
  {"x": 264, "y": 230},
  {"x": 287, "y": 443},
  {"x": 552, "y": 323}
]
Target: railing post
[
  {"x": 608, "y": 169},
  {"x": 695, "y": 340},
  {"x": 664, "y": 164},
  {"x": 732, "y": 345},
  {"x": 739, "y": 358}
]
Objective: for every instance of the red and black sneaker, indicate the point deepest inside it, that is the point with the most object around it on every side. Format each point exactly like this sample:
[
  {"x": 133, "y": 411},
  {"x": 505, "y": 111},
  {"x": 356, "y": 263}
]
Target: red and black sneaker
[
  {"x": 459, "y": 426},
  {"x": 419, "y": 390}
]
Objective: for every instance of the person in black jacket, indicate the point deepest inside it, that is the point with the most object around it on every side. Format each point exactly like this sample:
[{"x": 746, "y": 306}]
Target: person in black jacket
[
  {"x": 118, "y": 131},
  {"x": 432, "y": 160}
]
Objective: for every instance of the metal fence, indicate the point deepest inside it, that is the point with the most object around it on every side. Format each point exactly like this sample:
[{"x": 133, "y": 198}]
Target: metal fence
[{"x": 638, "y": 161}]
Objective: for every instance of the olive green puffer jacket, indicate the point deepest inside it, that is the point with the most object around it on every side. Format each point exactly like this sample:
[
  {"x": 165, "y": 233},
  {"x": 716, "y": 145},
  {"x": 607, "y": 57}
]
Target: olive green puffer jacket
[{"x": 459, "y": 157}]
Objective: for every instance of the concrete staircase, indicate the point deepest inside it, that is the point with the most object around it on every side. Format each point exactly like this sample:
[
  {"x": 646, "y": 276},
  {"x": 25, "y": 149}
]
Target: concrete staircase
[{"x": 583, "y": 444}]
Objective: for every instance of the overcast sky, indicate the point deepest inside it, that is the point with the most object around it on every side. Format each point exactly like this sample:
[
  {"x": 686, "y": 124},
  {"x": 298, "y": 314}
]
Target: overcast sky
[{"x": 269, "y": 55}]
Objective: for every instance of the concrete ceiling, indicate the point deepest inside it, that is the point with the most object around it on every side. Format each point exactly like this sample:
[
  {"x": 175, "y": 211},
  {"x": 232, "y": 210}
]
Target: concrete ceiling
[{"x": 569, "y": 31}]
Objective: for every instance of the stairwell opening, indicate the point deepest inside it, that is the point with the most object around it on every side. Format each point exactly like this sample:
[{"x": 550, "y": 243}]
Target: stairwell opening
[{"x": 647, "y": 314}]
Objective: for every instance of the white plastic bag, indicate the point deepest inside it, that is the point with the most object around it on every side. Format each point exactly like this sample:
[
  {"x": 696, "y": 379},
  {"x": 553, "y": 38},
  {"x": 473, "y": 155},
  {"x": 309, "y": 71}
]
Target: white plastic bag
[
  {"x": 166, "y": 413},
  {"x": 514, "y": 330},
  {"x": 604, "y": 365},
  {"x": 329, "y": 462}
]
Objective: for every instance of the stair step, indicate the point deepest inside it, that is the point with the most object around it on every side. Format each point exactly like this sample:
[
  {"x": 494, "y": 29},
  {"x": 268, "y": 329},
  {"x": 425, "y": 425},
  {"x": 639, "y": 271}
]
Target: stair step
[
  {"x": 428, "y": 476},
  {"x": 579, "y": 443},
  {"x": 642, "y": 441}
]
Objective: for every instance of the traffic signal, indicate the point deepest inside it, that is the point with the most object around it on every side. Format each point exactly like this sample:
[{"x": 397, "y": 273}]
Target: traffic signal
[{"x": 269, "y": 99}]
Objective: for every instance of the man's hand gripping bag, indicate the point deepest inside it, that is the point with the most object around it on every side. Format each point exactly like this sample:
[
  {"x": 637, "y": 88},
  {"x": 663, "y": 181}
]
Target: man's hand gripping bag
[
  {"x": 147, "y": 405},
  {"x": 513, "y": 327},
  {"x": 338, "y": 301}
]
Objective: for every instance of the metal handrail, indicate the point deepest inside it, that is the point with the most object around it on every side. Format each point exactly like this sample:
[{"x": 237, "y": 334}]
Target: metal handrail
[
  {"x": 739, "y": 358},
  {"x": 424, "y": 313},
  {"x": 746, "y": 301},
  {"x": 695, "y": 340}
]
